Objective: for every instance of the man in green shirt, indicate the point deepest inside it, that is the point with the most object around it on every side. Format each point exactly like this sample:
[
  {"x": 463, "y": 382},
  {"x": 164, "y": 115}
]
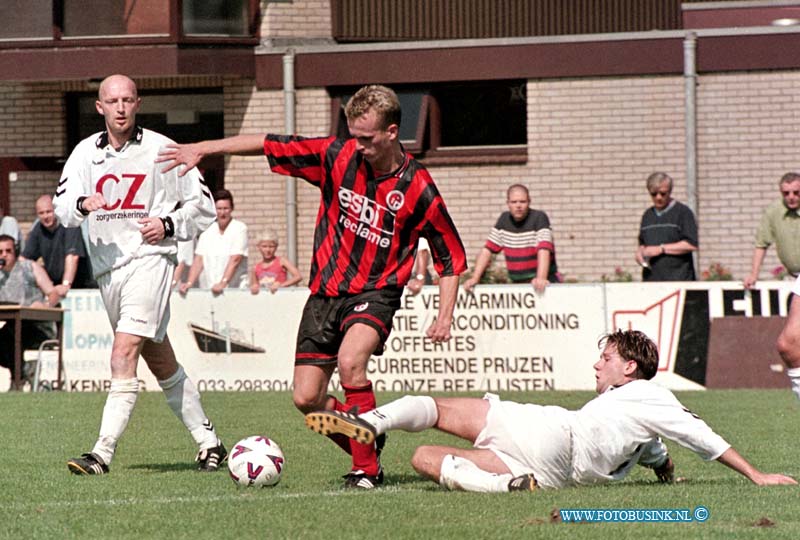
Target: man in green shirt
[{"x": 780, "y": 225}]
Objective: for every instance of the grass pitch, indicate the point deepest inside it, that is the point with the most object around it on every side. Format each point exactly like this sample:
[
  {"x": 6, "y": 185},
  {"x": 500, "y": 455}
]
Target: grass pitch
[{"x": 153, "y": 490}]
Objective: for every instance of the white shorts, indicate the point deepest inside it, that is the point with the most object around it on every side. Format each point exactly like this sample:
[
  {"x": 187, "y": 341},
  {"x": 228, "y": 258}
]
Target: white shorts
[
  {"x": 136, "y": 296},
  {"x": 529, "y": 438}
]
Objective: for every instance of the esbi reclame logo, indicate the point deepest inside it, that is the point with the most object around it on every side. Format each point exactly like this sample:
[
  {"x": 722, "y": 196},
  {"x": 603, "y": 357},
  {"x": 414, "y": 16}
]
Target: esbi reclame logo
[{"x": 366, "y": 218}]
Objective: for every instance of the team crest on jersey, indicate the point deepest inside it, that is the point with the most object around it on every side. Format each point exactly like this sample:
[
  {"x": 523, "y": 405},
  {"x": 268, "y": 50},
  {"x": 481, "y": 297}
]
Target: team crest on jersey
[
  {"x": 395, "y": 200},
  {"x": 361, "y": 307}
]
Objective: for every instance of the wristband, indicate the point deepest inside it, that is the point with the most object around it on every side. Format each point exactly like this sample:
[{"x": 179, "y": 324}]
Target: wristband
[
  {"x": 663, "y": 251},
  {"x": 169, "y": 226},
  {"x": 79, "y": 206},
  {"x": 66, "y": 283},
  {"x": 420, "y": 277}
]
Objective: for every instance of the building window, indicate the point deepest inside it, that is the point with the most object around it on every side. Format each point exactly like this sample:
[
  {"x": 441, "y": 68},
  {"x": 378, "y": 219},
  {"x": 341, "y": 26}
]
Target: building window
[
  {"x": 215, "y": 17},
  {"x": 183, "y": 116},
  {"x": 484, "y": 122},
  {"x": 94, "y": 18}
]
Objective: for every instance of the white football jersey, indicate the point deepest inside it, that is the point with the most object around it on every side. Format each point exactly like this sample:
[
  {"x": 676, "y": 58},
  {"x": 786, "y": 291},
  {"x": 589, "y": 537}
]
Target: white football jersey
[
  {"x": 620, "y": 428},
  {"x": 134, "y": 188}
]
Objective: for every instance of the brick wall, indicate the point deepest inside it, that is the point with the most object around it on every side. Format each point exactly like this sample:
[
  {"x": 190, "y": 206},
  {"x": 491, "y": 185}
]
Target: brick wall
[
  {"x": 298, "y": 19},
  {"x": 592, "y": 143},
  {"x": 746, "y": 143}
]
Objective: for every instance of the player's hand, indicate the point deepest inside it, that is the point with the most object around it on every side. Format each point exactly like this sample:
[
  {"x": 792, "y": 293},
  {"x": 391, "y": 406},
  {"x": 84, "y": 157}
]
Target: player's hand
[
  {"x": 666, "y": 472},
  {"x": 439, "y": 331},
  {"x": 749, "y": 282},
  {"x": 255, "y": 288},
  {"x": 415, "y": 286},
  {"x": 470, "y": 283},
  {"x": 183, "y": 288},
  {"x": 93, "y": 202},
  {"x": 274, "y": 287},
  {"x": 766, "y": 479},
  {"x": 539, "y": 284},
  {"x": 174, "y": 155},
  {"x": 152, "y": 230}
]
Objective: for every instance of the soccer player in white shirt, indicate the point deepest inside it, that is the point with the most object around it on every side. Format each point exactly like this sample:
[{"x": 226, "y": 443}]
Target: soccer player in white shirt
[
  {"x": 524, "y": 446},
  {"x": 135, "y": 214}
]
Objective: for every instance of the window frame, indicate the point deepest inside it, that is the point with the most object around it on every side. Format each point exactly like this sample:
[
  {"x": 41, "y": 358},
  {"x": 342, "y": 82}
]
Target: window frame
[{"x": 427, "y": 144}]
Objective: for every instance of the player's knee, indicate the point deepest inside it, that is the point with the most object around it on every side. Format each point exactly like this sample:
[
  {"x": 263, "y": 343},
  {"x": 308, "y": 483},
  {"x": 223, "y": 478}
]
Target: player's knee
[
  {"x": 306, "y": 403},
  {"x": 787, "y": 346},
  {"x": 421, "y": 460}
]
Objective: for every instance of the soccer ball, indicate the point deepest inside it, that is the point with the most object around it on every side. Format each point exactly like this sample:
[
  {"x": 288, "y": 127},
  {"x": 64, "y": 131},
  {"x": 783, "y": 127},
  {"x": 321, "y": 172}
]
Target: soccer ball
[{"x": 256, "y": 461}]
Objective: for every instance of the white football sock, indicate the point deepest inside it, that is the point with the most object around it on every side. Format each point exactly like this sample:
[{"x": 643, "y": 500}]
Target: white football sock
[
  {"x": 461, "y": 474},
  {"x": 184, "y": 400},
  {"x": 409, "y": 413},
  {"x": 794, "y": 378},
  {"x": 119, "y": 405}
]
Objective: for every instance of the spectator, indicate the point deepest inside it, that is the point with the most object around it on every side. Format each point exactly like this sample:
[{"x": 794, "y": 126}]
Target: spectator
[
  {"x": 61, "y": 249},
  {"x": 525, "y": 446},
  {"x": 780, "y": 225},
  {"x": 272, "y": 272},
  {"x": 9, "y": 226},
  {"x": 421, "y": 276},
  {"x": 220, "y": 258},
  {"x": 525, "y": 236},
  {"x": 24, "y": 283},
  {"x": 667, "y": 235}
]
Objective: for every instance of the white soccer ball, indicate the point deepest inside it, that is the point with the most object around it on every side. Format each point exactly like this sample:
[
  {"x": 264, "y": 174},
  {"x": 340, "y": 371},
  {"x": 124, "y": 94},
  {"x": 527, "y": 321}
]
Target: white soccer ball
[{"x": 256, "y": 461}]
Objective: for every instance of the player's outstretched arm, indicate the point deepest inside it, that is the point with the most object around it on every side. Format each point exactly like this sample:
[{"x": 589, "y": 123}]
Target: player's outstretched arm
[
  {"x": 731, "y": 458},
  {"x": 189, "y": 155}
]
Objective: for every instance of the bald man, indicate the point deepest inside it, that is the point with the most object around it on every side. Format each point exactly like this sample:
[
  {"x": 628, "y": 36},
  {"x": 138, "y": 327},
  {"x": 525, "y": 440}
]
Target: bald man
[
  {"x": 61, "y": 250},
  {"x": 135, "y": 214}
]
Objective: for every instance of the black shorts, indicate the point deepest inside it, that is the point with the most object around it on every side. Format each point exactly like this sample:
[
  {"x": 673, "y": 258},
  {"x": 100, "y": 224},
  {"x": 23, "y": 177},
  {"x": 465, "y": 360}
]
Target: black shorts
[{"x": 326, "y": 320}]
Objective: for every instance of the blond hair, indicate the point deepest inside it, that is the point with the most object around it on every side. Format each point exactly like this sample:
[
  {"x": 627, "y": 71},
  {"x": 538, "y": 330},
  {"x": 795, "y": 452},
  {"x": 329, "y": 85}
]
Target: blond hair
[
  {"x": 379, "y": 98},
  {"x": 268, "y": 235}
]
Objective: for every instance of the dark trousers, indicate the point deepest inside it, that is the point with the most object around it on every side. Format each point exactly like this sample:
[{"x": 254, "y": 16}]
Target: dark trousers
[{"x": 33, "y": 334}]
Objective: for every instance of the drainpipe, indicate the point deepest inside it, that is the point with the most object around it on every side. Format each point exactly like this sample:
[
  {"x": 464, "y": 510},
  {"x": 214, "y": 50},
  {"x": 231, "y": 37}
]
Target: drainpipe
[
  {"x": 690, "y": 85},
  {"x": 690, "y": 121},
  {"x": 291, "y": 183}
]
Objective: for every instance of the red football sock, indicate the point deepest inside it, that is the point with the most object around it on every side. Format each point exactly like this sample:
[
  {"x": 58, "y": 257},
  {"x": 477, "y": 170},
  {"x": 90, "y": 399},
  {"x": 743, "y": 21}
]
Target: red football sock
[
  {"x": 364, "y": 456},
  {"x": 341, "y": 441}
]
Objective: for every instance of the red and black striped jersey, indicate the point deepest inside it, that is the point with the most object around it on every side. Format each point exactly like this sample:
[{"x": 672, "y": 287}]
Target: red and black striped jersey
[{"x": 367, "y": 227}]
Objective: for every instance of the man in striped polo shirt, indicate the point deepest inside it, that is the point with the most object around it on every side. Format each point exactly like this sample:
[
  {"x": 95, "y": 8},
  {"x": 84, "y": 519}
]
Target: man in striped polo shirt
[
  {"x": 525, "y": 236},
  {"x": 376, "y": 202}
]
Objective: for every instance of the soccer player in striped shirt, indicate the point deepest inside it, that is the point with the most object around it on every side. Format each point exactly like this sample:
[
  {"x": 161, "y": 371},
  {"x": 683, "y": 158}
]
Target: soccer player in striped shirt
[{"x": 376, "y": 202}]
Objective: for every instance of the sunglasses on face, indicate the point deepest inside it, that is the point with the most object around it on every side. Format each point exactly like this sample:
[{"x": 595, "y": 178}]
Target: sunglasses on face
[
  {"x": 787, "y": 193},
  {"x": 661, "y": 193}
]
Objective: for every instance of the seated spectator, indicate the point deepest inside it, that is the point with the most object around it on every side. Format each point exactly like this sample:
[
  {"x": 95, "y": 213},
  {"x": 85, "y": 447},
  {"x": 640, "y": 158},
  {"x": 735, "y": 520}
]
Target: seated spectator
[
  {"x": 9, "y": 226},
  {"x": 61, "y": 249},
  {"x": 24, "y": 283},
  {"x": 667, "y": 235},
  {"x": 272, "y": 272},
  {"x": 524, "y": 234},
  {"x": 220, "y": 258},
  {"x": 421, "y": 276}
]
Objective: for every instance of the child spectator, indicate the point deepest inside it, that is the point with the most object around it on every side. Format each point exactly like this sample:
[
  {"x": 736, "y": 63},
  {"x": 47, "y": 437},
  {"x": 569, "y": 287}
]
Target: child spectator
[{"x": 272, "y": 272}]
